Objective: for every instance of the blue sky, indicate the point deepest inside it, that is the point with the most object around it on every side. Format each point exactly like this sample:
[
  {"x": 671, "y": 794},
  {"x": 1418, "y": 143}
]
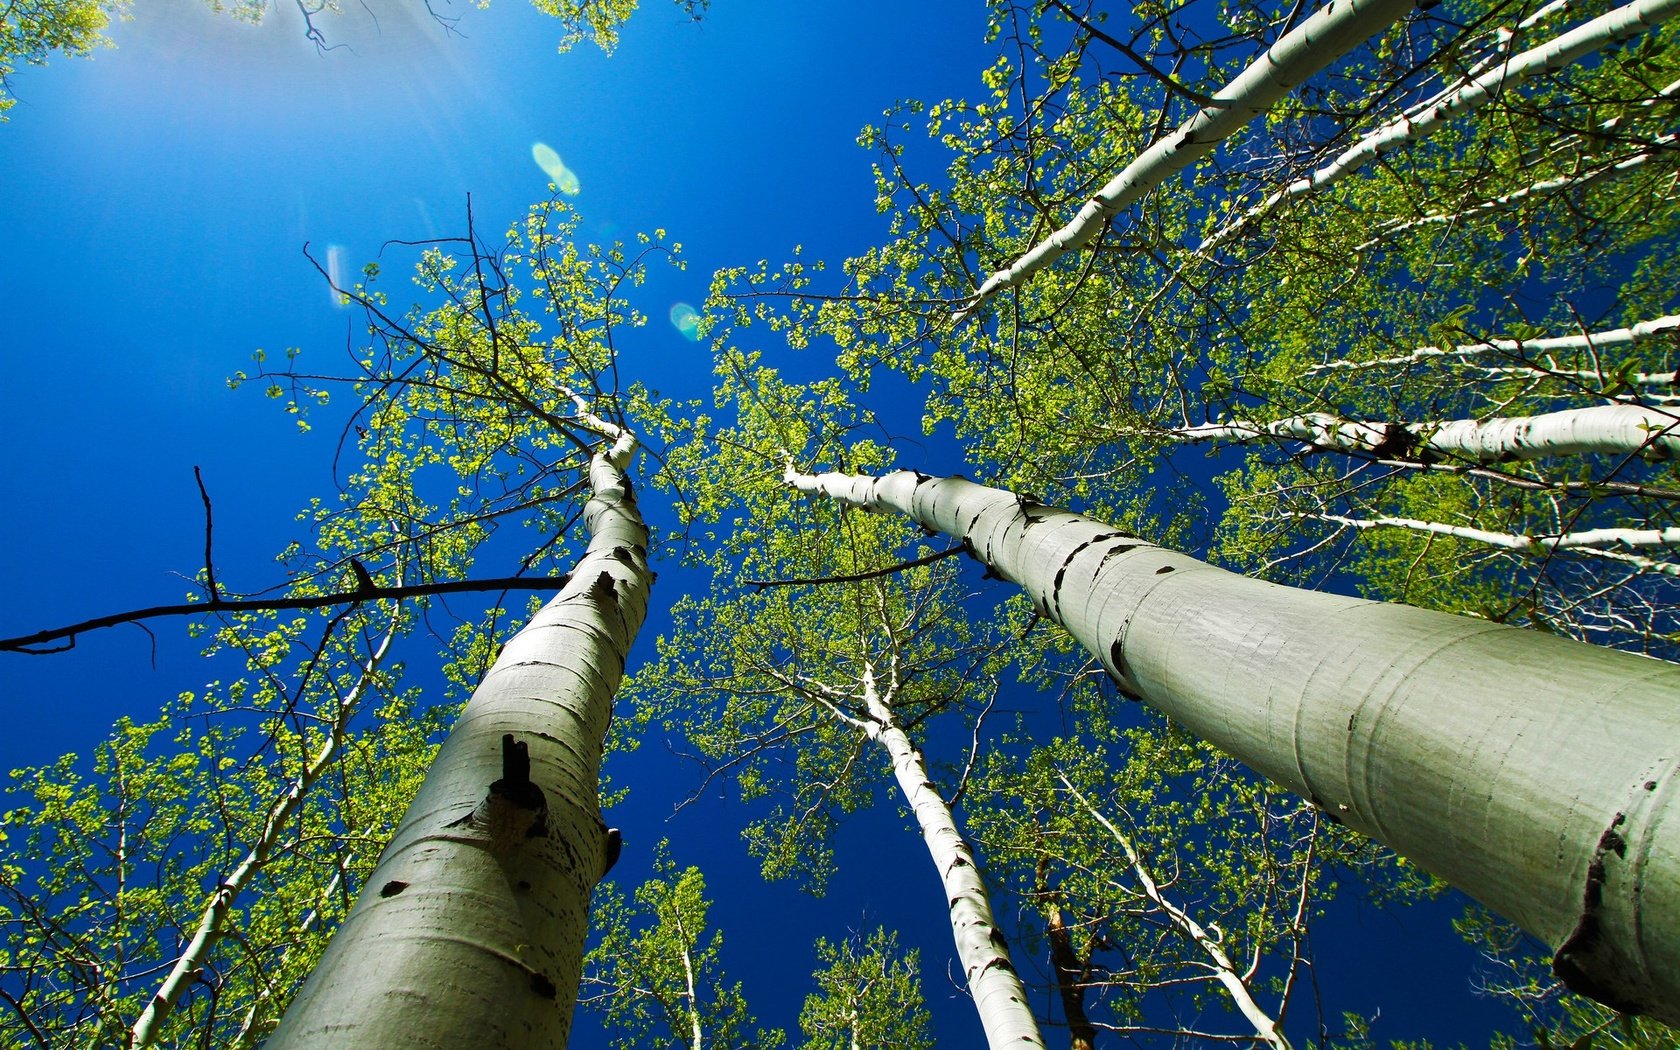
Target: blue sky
[{"x": 156, "y": 203}]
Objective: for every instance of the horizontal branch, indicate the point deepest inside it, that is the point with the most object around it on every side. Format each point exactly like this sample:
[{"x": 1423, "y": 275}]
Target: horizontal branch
[
  {"x": 27, "y": 643},
  {"x": 759, "y": 585}
]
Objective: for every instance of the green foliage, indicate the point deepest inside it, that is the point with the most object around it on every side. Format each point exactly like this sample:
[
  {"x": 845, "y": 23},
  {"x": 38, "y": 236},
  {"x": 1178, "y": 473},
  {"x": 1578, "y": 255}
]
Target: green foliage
[
  {"x": 657, "y": 975},
  {"x": 30, "y": 30},
  {"x": 868, "y": 997}
]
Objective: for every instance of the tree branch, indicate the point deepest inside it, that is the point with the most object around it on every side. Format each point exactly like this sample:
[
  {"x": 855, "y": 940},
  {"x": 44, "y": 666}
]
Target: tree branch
[
  {"x": 26, "y": 643},
  {"x": 759, "y": 585}
]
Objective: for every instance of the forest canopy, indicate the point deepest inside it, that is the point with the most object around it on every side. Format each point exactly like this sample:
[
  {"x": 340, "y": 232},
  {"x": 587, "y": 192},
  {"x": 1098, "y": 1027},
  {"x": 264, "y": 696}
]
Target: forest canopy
[{"x": 1210, "y": 366}]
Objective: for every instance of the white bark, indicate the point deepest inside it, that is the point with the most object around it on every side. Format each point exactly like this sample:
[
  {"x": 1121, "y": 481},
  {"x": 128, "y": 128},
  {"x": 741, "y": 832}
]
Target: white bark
[
  {"x": 1330, "y": 32},
  {"x": 1608, "y": 429},
  {"x": 1224, "y": 970},
  {"x": 1615, "y": 338},
  {"x": 1611, "y": 28},
  {"x": 212, "y": 925},
  {"x": 470, "y": 931},
  {"x": 1538, "y": 774},
  {"x": 1600, "y": 543},
  {"x": 999, "y": 996}
]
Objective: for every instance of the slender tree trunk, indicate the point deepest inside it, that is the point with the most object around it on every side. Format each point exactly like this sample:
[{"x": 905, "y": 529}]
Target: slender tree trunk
[
  {"x": 470, "y": 932},
  {"x": 999, "y": 996},
  {"x": 213, "y": 923},
  {"x": 1598, "y": 542},
  {"x": 1329, "y": 33},
  {"x": 1070, "y": 970},
  {"x": 1471, "y": 94},
  {"x": 1617, "y": 430},
  {"x": 1224, "y": 970},
  {"x": 1538, "y": 774},
  {"x": 1589, "y": 342},
  {"x": 1591, "y": 171}
]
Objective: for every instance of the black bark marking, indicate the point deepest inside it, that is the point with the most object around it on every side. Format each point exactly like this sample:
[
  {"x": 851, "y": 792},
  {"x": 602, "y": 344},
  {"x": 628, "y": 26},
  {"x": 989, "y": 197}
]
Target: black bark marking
[
  {"x": 1650, "y": 785},
  {"x": 1117, "y": 549},
  {"x": 543, "y": 986},
  {"x": 1585, "y": 959},
  {"x": 1116, "y": 655},
  {"x": 1396, "y": 442},
  {"x": 1056, "y": 588},
  {"x": 602, "y": 589},
  {"x": 614, "y": 846},
  {"x": 1163, "y": 569},
  {"x": 392, "y": 888}
]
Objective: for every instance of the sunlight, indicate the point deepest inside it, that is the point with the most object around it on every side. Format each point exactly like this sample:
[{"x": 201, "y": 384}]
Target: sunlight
[
  {"x": 564, "y": 179},
  {"x": 686, "y": 320}
]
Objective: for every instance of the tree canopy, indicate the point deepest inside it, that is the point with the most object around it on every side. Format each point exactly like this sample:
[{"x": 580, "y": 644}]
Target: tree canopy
[{"x": 1375, "y": 299}]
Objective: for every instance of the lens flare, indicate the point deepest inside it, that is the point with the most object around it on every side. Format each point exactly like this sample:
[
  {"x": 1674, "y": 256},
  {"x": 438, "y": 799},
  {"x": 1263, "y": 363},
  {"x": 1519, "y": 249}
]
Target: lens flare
[
  {"x": 335, "y": 273},
  {"x": 563, "y": 178},
  {"x": 685, "y": 320}
]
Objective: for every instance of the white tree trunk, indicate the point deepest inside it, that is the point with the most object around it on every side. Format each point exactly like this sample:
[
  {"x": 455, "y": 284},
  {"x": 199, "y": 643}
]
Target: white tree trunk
[
  {"x": 213, "y": 923},
  {"x": 1609, "y": 429},
  {"x": 1600, "y": 543},
  {"x": 999, "y": 996},
  {"x": 1538, "y": 774},
  {"x": 1330, "y": 32},
  {"x": 1265, "y": 1026},
  {"x": 1615, "y": 338},
  {"x": 470, "y": 931},
  {"x": 1613, "y": 27}
]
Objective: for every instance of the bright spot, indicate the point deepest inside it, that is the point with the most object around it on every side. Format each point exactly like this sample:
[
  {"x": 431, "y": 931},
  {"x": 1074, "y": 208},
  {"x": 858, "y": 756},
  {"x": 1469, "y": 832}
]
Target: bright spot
[
  {"x": 335, "y": 273},
  {"x": 564, "y": 179},
  {"x": 685, "y": 320}
]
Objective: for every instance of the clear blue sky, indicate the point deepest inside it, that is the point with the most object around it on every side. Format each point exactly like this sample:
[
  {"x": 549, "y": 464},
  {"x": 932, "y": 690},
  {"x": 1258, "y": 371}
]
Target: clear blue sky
[{"x": 156, "y": 202}]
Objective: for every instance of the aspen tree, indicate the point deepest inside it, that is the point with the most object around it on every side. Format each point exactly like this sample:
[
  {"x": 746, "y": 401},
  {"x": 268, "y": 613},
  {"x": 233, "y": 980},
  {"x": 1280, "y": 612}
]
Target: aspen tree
[{"x": 1536, "y": 774}]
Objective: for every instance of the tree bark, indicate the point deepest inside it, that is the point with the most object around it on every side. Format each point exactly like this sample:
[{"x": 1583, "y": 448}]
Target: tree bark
[
  {"x": 470, "y": 931},
  {"x": 1537, "y": 774},
  {"x": 993, "y": 982},
  {"x": 1617, "y": 430}
]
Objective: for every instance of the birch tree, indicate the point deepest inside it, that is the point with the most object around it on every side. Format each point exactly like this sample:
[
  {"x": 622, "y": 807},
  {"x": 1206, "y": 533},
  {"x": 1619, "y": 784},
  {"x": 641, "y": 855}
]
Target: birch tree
[
  {"x": 469, "y": 416},
  {"x": 813, "y": 642},
  {"x": 1400, "y": 756}
]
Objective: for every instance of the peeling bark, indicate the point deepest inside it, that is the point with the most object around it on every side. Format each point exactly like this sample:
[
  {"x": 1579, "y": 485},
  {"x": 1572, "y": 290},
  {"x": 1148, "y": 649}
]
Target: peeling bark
[
  {"x": 1492, "y": 756},
  {"x": 470, "y": 931}
]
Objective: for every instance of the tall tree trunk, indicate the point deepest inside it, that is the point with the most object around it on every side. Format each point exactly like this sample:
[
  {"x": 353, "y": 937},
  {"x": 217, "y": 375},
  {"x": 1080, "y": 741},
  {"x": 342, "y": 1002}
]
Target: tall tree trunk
[
  {"x": 1329, "y": 33},
  {"x": 1539, "y": 775},
  {"x": 993, "y": 982},
  {"x": 1598, "y": 543},
  {"x": 470, "y": 931}
]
